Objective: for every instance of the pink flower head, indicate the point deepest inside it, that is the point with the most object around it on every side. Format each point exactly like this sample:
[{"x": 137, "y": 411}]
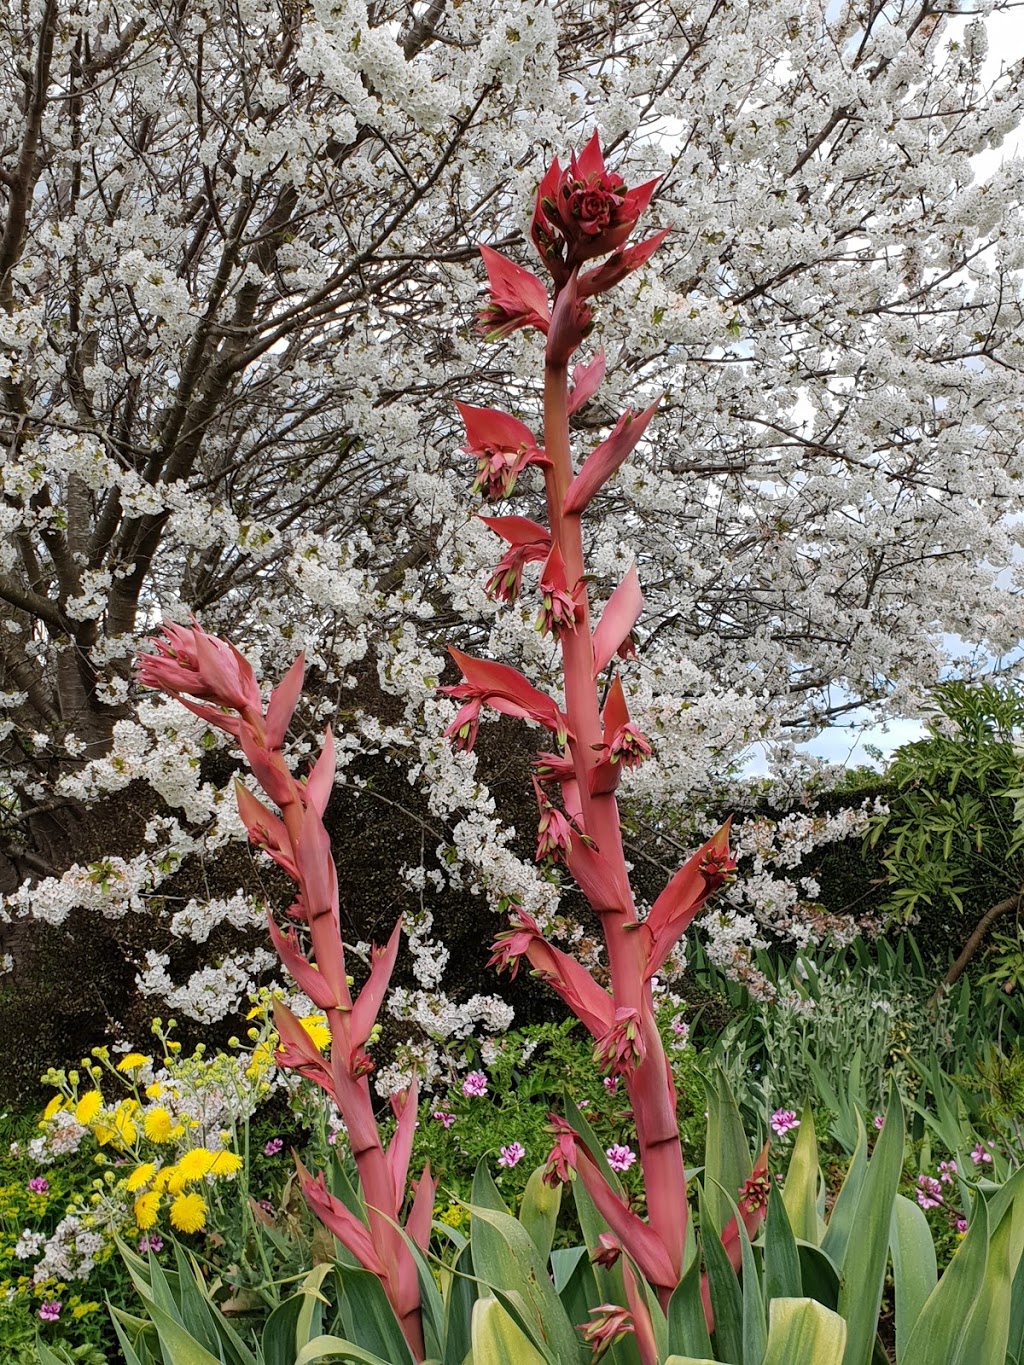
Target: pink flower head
[
  {"x": 961, "y": 1225},
  {"x": 39, "y": 1184},
  {"x": 561, "y": 1161},
  {"x": 628, "y": 747},
  {"x": 929, "y": 1192},
  {"x": 879, "y": 1121},
  {"x": 501, "y": 446},
  {"x": 554, "y": 833},
  {"x": 191, "y": 662},
  {"x": 783, "y": 1121},
  {"x": 272, "y": 1147},
  {"x": 514, "y": 943},
  {"x": 608, "y": 1251},
  {"x": 610, "y": 1324},
  {"x": 517, "y": 298},
  {"x": 980, "y": 1157},
  {"x": 512, "y": 1155},
  {"x": 154, "y": 1243},
  {"x": 584, "y": 211},
  {"x": 50, "y": 1310},
  {"x": 611, "y": 1084},
  {"x": 474, "y": 1087},
  {"x": 620, "y": 1157},
  {"x": 559, "y": 610},
  {"x": 947, "y": 1170},
  {"x": 463, "y": 730},
  {"x": 445, "y": 1120},
  {"x": 622, "y": 1048}
]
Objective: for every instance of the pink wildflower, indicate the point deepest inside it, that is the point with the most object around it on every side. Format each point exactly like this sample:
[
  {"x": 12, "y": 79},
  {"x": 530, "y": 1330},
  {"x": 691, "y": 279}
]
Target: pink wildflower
[
  {"x": 475, "y": 1085},
  {"x": 511, "y": 1155},
  {"x": 961, "y": 1225},
  {"x": 39, "y": 1184},
  {"x": 783, "y": 1121},
  {"x": 980, "y": 1157},
  {"x": 929, "y": 1192},
  {"x": 620, "y": 1158},
  {"x": 50, "y": 1310},
  {"x": 947, "y": 1170},
  {"x": 445, "y": 1120},
  {"x": 611, "y": 1084},
  {"x": 153, "y": 1243},
  {"x": 272, "y": 1147},
  {"x": 879, "y": 1121}
]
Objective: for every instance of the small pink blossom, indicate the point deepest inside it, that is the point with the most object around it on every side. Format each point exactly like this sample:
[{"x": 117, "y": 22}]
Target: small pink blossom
[
  {"x": 980, "y": 1157},
  {"x": 511, "y": 1155},
  {"x": 446, "y": 1120},
  {"x": 929, "y": 1192},
  {"x": 879, "y": 1121},
  {"x": 947, "y": 1170},
  {"x": 153, "y": 1243},
  {"x": 611, "y": 1084},
  {"x": 39, "y": 1184},
  {"x": 50, "y": 1310},
  {"x": 272, "y": 1147},
  {"x": 475, "y": 1085},
  {"x": 961, "y": 1225},
  {"x": 784, "y": 1121},
  {"x": 620, "y": 1158}
]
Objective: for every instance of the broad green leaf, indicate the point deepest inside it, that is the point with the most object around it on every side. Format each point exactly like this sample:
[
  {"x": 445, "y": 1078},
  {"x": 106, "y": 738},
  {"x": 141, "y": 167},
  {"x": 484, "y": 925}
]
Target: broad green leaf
[
  {"x": 862, "y": 1278},
  {"x": 690, "y": 1360},
  {"x": 506, "y": 1258},
  {"x": 367, "y": 1315},
  {"x": 687, "y": 1325},
  {"x": 914, "y": 1269},
  {"x": 755, "y": 1329},
  {"x": 335, "y": 1348},
  {"x": 781, "y": 1258},
  {"x": 538, "y": 1211},
  {"x": 497, "y": 1340},
  {"x": 485, "y": 1192},
  {"x": 724, "y": 1288},
  {"x": 460, "y": 1297},
  {"x": 131, "y": 1357},
  {"x": 942, "y": 1322},
  {"x": 803, "y": 1332},
  {"x": 800, "y": 1192},
  {"x": 844, "y": 1211},
  {"x": 818, "y": 1276},
  {"x": 727, "y": 1158},
  {"x": 176, "y": 1343},
  {"x": 988, "y": 1331}
]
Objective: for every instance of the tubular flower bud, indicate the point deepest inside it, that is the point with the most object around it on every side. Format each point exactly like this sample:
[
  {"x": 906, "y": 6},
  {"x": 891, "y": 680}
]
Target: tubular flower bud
[
  {"x": 622, "y": 1048},
  {"x": 560, "y": 1166}
]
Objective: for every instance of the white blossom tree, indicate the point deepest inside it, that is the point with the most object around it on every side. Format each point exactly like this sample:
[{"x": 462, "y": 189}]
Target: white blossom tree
[{"x": 238, "y": 286}]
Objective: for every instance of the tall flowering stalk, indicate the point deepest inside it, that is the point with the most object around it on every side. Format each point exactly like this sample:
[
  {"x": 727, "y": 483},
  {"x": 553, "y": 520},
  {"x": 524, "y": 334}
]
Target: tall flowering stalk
[
  {"x": 214, "y": 680},
  {"x": 582, "y": 213}
]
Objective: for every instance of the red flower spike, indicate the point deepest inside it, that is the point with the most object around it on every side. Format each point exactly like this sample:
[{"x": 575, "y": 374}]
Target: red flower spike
[
  {"x": 366, "y": 1006},
  {"x": 316, "y": 790},
  {"x": 504, "y": 689},
  {"x": 685, "y": 895},
  {"x": 350, "y": 1231},
  {"x": 501, "y": 445},
  {"x": 603, "y": 461},
  {"x": 422, "y": 1212},
  {"x": 210, "y": 670},
  {"x": 266, "y": 830},
  {"x": 283, "y": 701},
  {"x": 586, "y": 380},
  {"x": 621, "y": 613},
  {"x": 584, "y": 211},
  {"x": 638, "y": 1239},
  {"x": 517, "y": 298},
  {"x": 623, "y": 263},
  {"x": 571, "y": 321},
  {"x": 297, "y": 1051},
  {"x": 305, "y": 975},
  {"x": 603, "y": 885}
]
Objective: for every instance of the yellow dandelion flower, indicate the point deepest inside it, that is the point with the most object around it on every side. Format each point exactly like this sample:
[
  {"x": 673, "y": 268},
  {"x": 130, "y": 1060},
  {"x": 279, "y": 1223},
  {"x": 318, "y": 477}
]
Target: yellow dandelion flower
[
  {"x": 133, "y": 1061},
  {"x": 316, "y": 1026},
  {"x": 261, "y": 1061},
  {"x": 88, "y": 1107},
  {"x": 141, "y": 1176},
  {"x": 226, "y": 1163},
  {"x": 125, "y": 1129},
  {"x": 158, "y": 1125},
  {"x": 154, "y": 1091},
  {"x": 55, "y": 1105},
  {"x": 163, "y": 1178},
  {"x": 188, "y": 1212},
  {"x": 194, "y": 1165},
  {"x": 146, "y": 1208}
]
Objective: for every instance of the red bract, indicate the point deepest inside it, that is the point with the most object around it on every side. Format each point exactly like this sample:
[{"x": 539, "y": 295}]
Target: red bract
[
  {"x": 502, "y": 447},
  {"x": 584, "y": 211},
  {"x": 517, "y": 298},
  {"x": 190, "y": 662}
]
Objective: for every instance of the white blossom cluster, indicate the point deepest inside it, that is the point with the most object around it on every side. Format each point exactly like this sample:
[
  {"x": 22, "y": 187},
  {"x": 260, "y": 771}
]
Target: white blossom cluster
[{"x": 212, "y": 992}]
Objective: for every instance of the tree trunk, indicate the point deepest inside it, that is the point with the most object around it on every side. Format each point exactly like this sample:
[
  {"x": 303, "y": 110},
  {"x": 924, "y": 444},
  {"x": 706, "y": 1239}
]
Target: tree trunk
[{"x": 974, "y": 942}]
